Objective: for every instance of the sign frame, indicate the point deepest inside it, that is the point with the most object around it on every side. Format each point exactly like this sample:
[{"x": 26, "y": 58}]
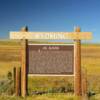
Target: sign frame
[
  {"x": 77, "y": 36},
  {"x": 69, "y": 44}
]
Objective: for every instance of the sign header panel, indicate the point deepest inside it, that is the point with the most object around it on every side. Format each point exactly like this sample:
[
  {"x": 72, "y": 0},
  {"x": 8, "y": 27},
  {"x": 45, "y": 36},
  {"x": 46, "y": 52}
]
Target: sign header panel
[{"x": 50, "y": 35}]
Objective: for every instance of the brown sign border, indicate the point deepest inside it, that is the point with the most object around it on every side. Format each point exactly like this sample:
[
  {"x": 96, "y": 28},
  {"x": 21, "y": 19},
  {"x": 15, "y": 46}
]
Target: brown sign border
[{"x": 73, "y": 73}]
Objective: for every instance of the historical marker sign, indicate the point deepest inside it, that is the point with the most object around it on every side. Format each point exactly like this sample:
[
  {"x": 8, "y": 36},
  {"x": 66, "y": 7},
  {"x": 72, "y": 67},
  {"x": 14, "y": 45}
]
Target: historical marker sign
[{"x": 51, "y": 59}]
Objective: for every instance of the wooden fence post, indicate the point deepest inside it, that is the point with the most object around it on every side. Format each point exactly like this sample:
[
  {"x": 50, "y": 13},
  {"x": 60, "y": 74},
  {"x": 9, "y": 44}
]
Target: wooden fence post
[
  {"x": 84, "y": 83},
  {"x": 24, "y": 43},
  {"x": 77, "y": 63},
  {"x": 17, "y": 82},
  {"x": 14, "y": 77}
]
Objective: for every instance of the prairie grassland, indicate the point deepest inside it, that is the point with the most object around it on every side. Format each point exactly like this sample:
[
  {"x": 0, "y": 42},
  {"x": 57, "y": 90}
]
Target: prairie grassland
[
  {"x": 91, "y": 59},
  {"x": 43, "y": 97},
  {"x": 10, "y": 57},
  {"x": 91, "y": 63}
]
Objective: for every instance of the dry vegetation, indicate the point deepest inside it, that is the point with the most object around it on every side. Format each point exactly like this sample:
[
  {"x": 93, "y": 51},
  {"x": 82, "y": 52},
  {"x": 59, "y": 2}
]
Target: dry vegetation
[
  {"x": 10, "y": 57},
  {"x": 91, "y": 59}
]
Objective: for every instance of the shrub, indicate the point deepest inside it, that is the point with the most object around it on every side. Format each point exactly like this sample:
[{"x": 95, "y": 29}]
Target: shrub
[
  {"x": 69, "y": 87},
  {"x": 9, "y": 75},
  {"x": 62, "y": 89}
]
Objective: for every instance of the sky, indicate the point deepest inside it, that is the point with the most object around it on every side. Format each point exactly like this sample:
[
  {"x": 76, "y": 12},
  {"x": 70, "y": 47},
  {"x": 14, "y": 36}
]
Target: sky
[{"x": 50, "y": 15}]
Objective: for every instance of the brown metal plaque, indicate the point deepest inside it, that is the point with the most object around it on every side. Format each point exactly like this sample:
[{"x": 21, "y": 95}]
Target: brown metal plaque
[{"x": 50, "y": 59}]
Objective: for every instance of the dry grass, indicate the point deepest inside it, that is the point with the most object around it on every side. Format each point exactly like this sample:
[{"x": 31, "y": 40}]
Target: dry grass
[
  {"x": 91, "y": 59},
  {"x": 10, "y": 57},
  {"x": 43, "y": 97}
]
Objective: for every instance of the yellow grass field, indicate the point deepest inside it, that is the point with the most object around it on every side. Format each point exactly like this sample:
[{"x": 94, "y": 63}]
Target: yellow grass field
[
  {"x": 10, "y": 57},
  {"x": 91, "y": 59}
]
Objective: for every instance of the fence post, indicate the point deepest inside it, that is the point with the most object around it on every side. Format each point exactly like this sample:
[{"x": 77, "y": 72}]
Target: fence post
[
  {"x": 84, "y": 83},
  {"x": 77, "y": 63},
  {"x": 14, "y": 77},
  {"x": 24, "y": 43},
  {"x": 17, "y": 82}
]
